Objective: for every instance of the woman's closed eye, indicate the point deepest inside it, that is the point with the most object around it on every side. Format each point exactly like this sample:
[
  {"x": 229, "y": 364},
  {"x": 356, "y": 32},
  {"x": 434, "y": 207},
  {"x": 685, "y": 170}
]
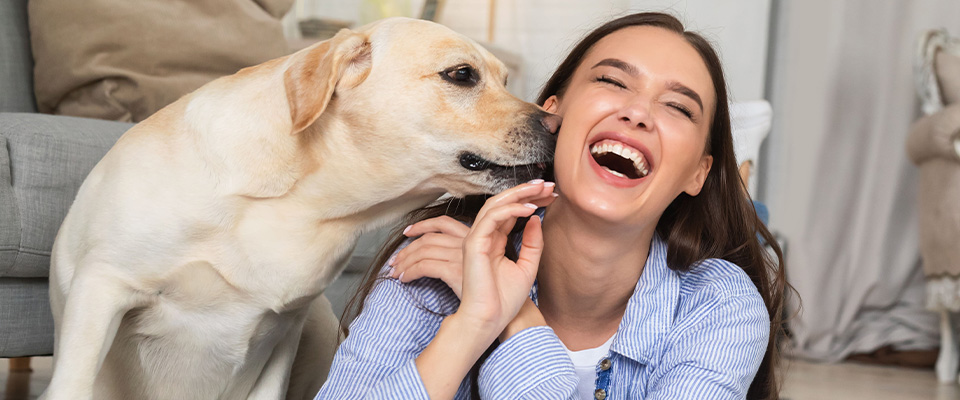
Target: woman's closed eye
[
  {"x": 682, "y": 109},
  {"x": 679, "y": 107},
  {"x": 611, "y": 81}
]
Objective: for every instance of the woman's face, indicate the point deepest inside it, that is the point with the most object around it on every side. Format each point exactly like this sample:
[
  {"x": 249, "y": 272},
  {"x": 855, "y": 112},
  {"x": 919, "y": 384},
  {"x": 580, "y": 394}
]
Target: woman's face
[{"x": 636, "y": 116}]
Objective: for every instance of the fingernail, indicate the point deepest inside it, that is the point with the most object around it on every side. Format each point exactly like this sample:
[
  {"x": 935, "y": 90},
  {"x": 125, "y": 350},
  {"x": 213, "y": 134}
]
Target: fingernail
[
  {"x": 401, "y": 276},
  {"x": 392, "y": 260},
  {"x": 390, "y": 271},
  {"x": 531, "y": 205},
  {"x": 550, "y": 184},
  {"x": 536, "y": 181},
  {"x": 407, "y": 229},
  {"x": 555, "y": 194}
]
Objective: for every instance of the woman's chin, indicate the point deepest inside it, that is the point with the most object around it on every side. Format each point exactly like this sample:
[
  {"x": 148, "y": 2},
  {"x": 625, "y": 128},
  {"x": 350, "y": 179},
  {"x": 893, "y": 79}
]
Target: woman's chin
[{"x": 598, "y": 206}]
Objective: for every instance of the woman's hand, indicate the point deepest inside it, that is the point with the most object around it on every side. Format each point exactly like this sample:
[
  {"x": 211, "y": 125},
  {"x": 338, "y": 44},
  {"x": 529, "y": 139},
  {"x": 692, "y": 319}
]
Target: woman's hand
[
  {"x": 494, "y": 287},
  {"x": 491, "y": 287},
  {"x": 437, "y": 251}
]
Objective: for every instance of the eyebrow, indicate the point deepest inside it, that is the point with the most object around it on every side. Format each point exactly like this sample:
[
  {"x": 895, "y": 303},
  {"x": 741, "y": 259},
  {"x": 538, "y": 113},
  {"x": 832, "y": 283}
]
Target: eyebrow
[
  {"x": 634, "y": 72},
  {"x": 619, "y": 64},
  {"x": 679, "y": 88}
]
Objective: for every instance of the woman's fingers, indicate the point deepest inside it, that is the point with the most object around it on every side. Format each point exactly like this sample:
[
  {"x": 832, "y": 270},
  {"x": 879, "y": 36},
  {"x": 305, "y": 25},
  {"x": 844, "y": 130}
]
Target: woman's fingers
[
  {"x": 426, "y": 244},
  {"x": 531, "y": 247},
  {"x": 530, "y": 192},
  {"x": 447, "y": 272},
  {"x": 450, "y": 255},
  {"x": 444, "y": 242},
  {"x": 442, "y": 224},
  {"x": 507, "y": 224},
  {"x": 494, "y": 286},
  {"x": 433, "y": 255},
  {"x": 428, "y": 252},
  {"x": 523, "y": 193},
  {"x": 544, "y": 201},
  {"x": 496, "y": 220}
]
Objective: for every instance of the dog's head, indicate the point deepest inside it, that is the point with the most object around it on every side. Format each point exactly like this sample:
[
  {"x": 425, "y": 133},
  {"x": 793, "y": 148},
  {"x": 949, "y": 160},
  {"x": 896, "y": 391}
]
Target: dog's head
[{"x": 421, "y": 106}]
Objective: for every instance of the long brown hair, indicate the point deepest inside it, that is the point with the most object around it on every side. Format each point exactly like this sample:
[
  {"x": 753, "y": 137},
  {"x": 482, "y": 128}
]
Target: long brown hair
[{"x": 720, "y": 222}]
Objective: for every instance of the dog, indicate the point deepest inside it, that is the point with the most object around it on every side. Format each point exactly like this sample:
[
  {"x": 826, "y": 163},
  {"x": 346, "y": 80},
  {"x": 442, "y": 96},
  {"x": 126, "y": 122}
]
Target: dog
[{"x": 193, "y": 260}]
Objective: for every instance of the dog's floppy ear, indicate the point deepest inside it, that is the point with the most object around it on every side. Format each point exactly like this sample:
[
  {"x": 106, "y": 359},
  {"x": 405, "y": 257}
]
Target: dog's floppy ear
[{"x": 344, "y": 61}]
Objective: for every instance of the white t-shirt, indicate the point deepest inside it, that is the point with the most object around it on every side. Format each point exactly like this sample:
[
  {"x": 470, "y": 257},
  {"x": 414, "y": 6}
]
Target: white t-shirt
[{"x": 585, "y": 362}]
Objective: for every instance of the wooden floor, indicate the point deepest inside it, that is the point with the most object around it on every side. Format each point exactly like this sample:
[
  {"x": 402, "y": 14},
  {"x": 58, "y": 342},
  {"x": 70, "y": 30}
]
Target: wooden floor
[
  {"x": 804, "y": 381},
  {"x": 848, "y": 381},
  {"x": 25, "y": 385}
]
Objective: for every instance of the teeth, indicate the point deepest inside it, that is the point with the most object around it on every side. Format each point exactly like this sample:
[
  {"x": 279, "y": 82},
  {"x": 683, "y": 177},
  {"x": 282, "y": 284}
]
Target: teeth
[
  {"x": 617, "y": 148},
  {"x": 614, "y": 172}
]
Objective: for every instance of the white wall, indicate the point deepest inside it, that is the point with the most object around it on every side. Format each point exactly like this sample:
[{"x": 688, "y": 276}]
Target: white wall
[{"x": 542, "y": 31}]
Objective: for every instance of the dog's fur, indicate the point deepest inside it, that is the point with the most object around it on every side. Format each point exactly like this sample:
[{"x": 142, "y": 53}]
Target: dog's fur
[{"x": 192, "y": 263}]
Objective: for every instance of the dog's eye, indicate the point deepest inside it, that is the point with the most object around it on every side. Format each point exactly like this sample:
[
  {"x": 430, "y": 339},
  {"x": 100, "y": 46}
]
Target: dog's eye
[{"x": 462, "y": 75}]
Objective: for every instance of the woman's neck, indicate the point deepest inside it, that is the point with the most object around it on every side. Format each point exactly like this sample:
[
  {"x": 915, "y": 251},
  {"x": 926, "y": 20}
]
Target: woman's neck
[{"x": 588, "y": 272}]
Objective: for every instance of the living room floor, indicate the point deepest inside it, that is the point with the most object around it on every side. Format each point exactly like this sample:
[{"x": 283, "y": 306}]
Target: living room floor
[{"x": 805, "y": 381}]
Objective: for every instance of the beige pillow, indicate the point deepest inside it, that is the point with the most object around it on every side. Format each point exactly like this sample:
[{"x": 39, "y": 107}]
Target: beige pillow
[{"x": 124, "y": 60}]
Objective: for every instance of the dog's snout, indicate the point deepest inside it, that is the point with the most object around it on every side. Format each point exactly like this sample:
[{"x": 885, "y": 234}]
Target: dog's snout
[{"x": 551, "y": 122}]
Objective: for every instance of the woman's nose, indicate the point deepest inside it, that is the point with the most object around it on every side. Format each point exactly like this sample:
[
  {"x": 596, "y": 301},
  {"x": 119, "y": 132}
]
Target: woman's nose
[{"x": 635, "y": 113}]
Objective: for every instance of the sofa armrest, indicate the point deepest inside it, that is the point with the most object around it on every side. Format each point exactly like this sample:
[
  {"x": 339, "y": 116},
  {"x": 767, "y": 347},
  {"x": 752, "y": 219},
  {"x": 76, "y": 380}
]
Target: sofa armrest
[{"x": 43, "y": 161}]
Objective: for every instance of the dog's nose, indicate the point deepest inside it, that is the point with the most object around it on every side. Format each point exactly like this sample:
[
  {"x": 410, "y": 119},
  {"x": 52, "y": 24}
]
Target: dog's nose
[{"x": 551, "y": 122}]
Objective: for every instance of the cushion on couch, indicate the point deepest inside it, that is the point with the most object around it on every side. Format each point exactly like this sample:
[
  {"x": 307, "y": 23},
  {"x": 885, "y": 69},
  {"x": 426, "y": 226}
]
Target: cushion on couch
[
  {"x": 9, "y": 213},
  {"x": 43, "y": 163},
  {"x": 16, "y": 62},
  {"x": 124, "y": 60},
  {"x": 26, "y": 324}
]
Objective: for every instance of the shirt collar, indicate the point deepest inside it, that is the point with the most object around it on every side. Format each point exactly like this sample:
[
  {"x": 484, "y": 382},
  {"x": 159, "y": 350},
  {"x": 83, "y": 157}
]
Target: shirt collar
[{"x": 650, "y": 310}]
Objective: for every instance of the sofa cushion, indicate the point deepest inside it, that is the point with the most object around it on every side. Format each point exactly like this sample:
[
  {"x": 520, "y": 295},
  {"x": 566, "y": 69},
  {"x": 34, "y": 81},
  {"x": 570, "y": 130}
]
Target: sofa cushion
[
  {"x": 16, "y": 62},
  {"x": 48, "y": 158},
  {"x": 124, "y": 60},
  {"x": 9, "y": 213},
  {"x": 26, "y": 324}
]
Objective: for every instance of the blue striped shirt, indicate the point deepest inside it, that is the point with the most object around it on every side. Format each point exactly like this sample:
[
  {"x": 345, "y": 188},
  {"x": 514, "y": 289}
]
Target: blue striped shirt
[{"x": 699, "y": 334}]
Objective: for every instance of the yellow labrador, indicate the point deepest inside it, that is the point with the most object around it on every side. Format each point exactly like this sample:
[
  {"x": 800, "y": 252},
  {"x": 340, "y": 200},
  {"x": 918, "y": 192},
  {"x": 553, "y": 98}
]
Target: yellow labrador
[{"x": 192, "y": 263}]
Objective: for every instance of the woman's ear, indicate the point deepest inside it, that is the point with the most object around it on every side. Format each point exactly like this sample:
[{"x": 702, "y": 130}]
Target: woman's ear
[
  {"x": 696, "y": 181},
  {"x": 551, "y": 105}
]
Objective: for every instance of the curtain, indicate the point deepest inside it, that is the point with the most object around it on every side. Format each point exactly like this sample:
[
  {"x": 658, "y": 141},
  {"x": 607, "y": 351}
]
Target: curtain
[{"x": 837, "y": 179}]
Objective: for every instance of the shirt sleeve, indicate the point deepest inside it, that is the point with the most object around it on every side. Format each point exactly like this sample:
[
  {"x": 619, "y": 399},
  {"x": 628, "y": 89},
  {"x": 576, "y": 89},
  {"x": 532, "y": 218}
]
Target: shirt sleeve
[
  {"x": 377, "y": 359},
  {"x": 531, "y": 364},
  {"x": 718, "y": 356}
]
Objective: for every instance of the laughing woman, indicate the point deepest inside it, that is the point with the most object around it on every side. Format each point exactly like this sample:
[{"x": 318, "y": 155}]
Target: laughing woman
[{"x": 648, "y": 279}]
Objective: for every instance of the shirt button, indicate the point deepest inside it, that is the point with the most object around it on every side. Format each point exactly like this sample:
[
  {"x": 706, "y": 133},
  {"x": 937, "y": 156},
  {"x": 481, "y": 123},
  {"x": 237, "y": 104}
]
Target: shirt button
[
  {"x": 600, "y": 394},
  {"x": 605, "y": 364}
]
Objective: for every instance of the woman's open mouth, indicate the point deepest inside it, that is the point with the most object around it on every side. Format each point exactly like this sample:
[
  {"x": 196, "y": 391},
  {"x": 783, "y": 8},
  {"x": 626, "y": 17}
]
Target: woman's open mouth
[{"x": 620, "y": 159}]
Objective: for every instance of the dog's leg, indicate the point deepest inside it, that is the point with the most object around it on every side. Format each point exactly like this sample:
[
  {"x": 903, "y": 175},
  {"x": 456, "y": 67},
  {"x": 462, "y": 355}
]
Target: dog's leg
[
  {"x": 273, "y": 380},
  {"x": 94, "y": 307},
  {"x": 318, "y": 344}
]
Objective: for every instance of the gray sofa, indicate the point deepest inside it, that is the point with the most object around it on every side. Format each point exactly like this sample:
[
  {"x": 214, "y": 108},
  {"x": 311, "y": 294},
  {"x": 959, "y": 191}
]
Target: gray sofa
[{"x": 43, "y": 161}]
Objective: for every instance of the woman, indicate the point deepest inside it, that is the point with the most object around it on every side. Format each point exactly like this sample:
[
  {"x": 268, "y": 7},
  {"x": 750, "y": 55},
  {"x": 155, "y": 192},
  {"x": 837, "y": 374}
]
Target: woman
[{"x": 648, "y": 277}]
